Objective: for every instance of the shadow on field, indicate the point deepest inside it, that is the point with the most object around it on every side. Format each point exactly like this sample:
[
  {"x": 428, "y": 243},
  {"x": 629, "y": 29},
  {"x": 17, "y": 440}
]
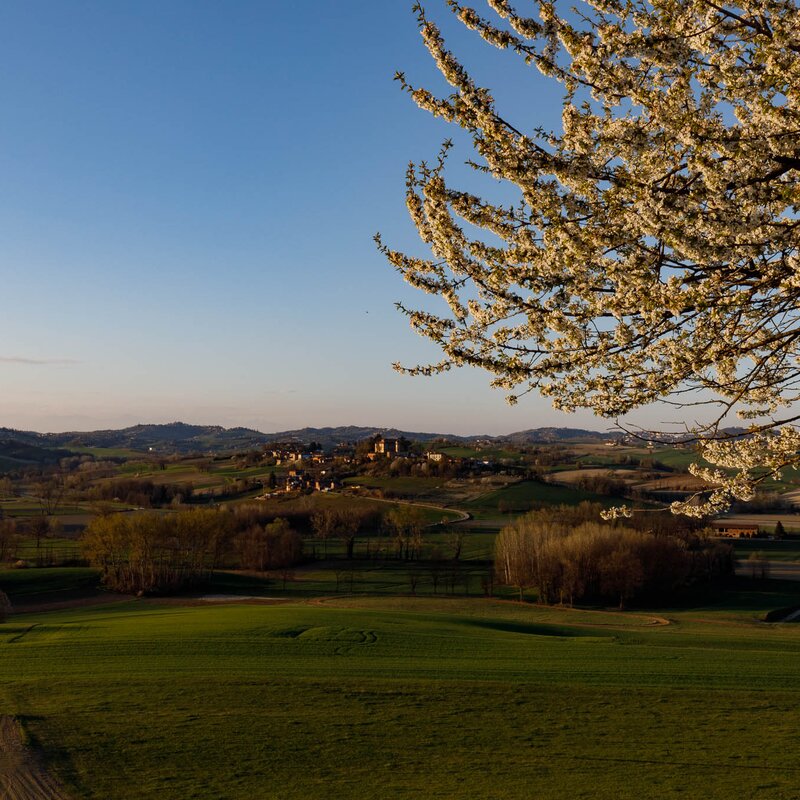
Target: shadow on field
[{"x": 529, "y": 629}]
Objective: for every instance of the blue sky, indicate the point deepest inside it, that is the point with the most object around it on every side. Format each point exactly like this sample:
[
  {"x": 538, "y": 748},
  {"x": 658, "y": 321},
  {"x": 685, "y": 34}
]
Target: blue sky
[{"x": 189, "y": 195}]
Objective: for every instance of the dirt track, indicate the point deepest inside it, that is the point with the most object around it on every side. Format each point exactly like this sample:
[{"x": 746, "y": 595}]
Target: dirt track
[{"x": 22, "y": 772}]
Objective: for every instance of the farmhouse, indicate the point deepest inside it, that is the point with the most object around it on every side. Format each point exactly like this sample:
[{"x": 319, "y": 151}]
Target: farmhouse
[{"x": 734, "y": 530}]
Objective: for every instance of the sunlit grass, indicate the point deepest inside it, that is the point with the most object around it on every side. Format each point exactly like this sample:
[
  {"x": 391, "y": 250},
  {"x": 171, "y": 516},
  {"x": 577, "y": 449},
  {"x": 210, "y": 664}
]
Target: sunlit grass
[{"x": 405, "y": 697}]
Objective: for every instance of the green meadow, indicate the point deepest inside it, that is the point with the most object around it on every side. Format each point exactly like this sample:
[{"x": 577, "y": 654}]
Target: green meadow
[
  {"x": 485, "y": 453},
  {"x": 525, "y": 495},
  {"x": 409, "y": 698},
  {"x": 401, "y": 485}
]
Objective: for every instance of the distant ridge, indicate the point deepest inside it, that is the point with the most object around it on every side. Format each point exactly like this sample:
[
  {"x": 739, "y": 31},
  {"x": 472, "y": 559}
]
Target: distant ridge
[
  {"x": 173, "y": 437},
  {"x": 180, "y": 437},
  {"x": 543, "y": 435},
  {"x": 353, "y": 433},
  {"x": 15, "y": 453}
]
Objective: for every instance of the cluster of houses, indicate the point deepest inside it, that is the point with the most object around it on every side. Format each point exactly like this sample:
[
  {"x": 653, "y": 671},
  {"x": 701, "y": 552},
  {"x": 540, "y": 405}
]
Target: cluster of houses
[
  {"x": 288, "y": 456},
  {"x": 382, "y": 447},
  {"x": 299, "y": 480},
  {"x": 304, "y": 473}
]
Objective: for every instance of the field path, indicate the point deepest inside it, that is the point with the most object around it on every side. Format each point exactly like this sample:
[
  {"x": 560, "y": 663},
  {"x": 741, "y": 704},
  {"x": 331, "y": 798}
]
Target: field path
[{"x": 22, "y": 772}]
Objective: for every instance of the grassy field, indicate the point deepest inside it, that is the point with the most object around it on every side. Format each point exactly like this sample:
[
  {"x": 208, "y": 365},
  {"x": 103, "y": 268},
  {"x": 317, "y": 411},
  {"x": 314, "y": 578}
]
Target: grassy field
[
  {"x": 429, "y": 514},
  {"x": 106, "y": 452},
  {"x": 200, "y": 473},
  {"x": 407, "y": 698},
  {"x": 476, "y": 543},
  {"x": 51, "y": 550},
  {"x": 681, "y": 459},
  {"x": 30, "y": 507},
  {"x": 387, "y": 578},
  {"x": 529, "y": 494},
  {"x": 49, "y": 584},
  {"x": 784, "y": 550},
  {"x": 408, "y": 486},
  {"x": 482, "y": 454},
  {"x": 343, "y": 685}
]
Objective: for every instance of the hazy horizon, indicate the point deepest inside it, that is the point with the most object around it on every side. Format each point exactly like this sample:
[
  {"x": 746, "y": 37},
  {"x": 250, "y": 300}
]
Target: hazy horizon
[{"x": 207, "y": 423}]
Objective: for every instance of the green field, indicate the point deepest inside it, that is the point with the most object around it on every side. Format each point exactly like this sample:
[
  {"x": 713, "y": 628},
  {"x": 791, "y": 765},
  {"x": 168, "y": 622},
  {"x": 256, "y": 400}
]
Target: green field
[
  {"x": 429, "y": 514},
  {"x": 51, "y": 550},
  {"x": 476, "y": 544},
  {"x": 784, "y": 550},
  {"x": 681, "y": 459},
  {"x": 529, "y": 494},
  {"x": 387, "y": 578},
  {"x": 483, "y": 454},
  {"x": 341, "y": 684},
  {"x": 49, "y": 585},
  {"x": 404, "y": 485},
  {"x": 30, "y": 507},
  {"x": 408, "y": 698},
  {"x": 107, "y": 452}
]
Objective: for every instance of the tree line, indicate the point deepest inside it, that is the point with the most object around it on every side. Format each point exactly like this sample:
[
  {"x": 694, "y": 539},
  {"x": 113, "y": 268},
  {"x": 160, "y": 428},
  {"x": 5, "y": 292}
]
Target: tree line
[
  {"x": 149, "y": 552},
  {"x": 140, "y": 492},
  {"x": 567, "y": 558}
]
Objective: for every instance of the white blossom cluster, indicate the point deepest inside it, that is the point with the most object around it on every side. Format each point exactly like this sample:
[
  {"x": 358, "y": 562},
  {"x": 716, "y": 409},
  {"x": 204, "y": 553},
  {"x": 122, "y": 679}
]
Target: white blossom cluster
[{"x": 654, "y": 251}]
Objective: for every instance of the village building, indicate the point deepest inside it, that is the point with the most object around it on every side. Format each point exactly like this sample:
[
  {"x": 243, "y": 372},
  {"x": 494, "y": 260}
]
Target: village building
[
  {"x": 387, "y": 447},
  {"x": 734, "y": 530}
]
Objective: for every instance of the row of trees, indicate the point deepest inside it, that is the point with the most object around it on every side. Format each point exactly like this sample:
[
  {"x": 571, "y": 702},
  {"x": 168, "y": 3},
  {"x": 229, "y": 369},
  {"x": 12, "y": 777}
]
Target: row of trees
[
  {"x": 344, "y": 523},
  {"x": 8, "y": 539},
  {"x": 271, "y": 546},
  {"x": 568, "y": 563},
  {"x": 403, "y": 527},
  {"x": 143, "y": 553},
  {"x": 140, "y": 492},
  {"x": 603, "y": 484},
  {"x": 42, "y": 530},
  {"x": 149, "y": 552}
]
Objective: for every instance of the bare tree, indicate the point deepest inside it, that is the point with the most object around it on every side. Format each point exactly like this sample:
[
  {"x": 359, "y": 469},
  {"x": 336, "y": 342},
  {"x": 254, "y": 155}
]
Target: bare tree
[
  {"x": 8, "y": 539},
  {"x": 50, "y": 492}
]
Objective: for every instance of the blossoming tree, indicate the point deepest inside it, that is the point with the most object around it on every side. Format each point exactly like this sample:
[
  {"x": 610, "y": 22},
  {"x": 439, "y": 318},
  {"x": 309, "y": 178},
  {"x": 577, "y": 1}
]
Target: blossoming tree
[{"x": 652, "y": 253}]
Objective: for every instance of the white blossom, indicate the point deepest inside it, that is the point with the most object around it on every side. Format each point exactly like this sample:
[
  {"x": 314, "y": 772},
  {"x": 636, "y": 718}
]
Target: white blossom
[{"x": 653, "y": 252}]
